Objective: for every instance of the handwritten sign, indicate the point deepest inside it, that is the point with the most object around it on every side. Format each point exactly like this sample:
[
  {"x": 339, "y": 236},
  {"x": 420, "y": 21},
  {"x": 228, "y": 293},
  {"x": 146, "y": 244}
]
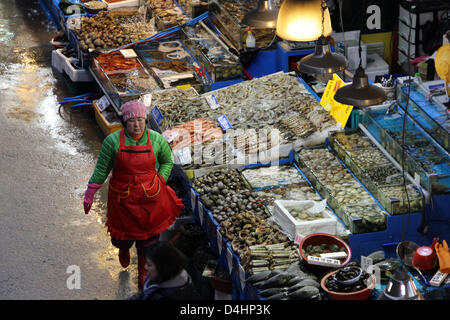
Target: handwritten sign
[{"x": 340, "y": 112}]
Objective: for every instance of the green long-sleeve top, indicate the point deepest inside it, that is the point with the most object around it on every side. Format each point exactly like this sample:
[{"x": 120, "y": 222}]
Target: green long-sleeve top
[{"x": 110, "y": 146}]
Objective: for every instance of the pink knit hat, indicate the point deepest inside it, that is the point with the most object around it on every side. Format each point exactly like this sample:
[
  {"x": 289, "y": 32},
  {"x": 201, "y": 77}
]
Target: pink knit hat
[{"x": 133, "y": 109}]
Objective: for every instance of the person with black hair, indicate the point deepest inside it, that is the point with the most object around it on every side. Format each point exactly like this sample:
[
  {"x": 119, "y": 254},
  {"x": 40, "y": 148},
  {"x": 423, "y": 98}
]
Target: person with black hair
[{"x": 167, "y": 278}]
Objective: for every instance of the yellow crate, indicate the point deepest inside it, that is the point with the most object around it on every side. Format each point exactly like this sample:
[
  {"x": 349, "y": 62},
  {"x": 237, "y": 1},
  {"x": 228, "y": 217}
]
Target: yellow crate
[{"x": 106, "y": 127}]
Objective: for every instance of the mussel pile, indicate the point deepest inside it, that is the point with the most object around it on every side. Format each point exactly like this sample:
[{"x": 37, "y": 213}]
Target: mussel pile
[
  {"x": 294, "y": 283},
  {"x": 335, "y": 281}
]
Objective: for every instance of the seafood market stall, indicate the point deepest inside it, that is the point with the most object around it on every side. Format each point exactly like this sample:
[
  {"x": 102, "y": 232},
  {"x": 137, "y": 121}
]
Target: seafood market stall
[{"x": 264, "y": 165}]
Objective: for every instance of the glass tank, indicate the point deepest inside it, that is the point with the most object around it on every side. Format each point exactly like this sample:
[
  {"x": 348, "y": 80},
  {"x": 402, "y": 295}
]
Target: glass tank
[{"x": 424, "y": 159}]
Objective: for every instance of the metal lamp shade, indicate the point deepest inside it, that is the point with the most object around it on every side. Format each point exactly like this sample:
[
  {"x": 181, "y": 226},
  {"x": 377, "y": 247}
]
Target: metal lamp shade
[
  {"x": 264, "y": 16},
  {"x": 360, "y": 93},
  {"x": 301, "y": 20},
  {"x": 400, "y": 287},
  {"x": 322, "y": 61}
]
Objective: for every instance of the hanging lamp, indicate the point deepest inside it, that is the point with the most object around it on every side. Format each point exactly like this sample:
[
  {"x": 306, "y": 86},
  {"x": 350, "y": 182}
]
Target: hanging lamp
[
  {"x": 322, "y": 61},
  {"x": 303, "y": 20},
  {"x": 360, "y": 93},
  {"x": 400, "y": 287},
  {"x": 264, "y": 16}
]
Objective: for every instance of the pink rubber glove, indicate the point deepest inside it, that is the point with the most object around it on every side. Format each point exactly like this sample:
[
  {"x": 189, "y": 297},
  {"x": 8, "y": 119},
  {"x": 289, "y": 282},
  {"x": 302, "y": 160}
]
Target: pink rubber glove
[{"x": 89, "y": 196}]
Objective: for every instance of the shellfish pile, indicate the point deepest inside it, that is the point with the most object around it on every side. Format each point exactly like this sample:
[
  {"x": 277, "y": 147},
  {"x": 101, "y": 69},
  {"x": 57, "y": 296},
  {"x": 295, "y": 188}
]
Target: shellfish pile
[
  {"x": 253, "y": 238},
  {"x": 278, "y": 100},
  {"x": 167, "y": 13},
  {"x": 178, "y": 106},
  {"x": 379, "y": 175},
  {"x": 225, "y": 193},
  {"x": 354, "y": 204},
  {"x": 272, "y": 176},
  {"x": 105, "y": 31}
]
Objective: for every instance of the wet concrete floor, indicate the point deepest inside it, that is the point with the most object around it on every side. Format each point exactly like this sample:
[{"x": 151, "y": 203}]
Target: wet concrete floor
[{"x": 47, "y": 155}]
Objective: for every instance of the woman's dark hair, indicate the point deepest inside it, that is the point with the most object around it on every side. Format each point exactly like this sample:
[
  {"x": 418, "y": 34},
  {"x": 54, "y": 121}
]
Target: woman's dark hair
[{"x": 169, "y": 261}]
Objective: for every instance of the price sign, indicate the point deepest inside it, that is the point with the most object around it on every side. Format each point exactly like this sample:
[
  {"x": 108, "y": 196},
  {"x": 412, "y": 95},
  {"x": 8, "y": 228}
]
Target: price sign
[
  {"x": 323, "y": 261},
  {"x": 340, "y": 112},
  {"x": 156, "y": 114},
  {"x": 102, "y": 103},
  {"x": 212, "y": 101},
  {"x": 128, "y": 53},
  {"x": 224, "y": 123}
]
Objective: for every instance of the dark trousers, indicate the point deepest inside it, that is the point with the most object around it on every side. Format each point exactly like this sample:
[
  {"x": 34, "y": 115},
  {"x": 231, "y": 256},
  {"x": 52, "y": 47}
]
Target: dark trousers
[{"x": 141, "y": 245}]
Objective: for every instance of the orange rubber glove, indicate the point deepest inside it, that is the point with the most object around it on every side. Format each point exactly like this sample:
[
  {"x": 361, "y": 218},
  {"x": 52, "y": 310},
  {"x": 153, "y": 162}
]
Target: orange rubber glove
[{"x": 444, "y": 256}]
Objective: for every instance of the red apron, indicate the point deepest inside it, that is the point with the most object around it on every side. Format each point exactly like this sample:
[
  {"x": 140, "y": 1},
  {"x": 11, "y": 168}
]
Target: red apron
[{"x": 140, "y": 204}]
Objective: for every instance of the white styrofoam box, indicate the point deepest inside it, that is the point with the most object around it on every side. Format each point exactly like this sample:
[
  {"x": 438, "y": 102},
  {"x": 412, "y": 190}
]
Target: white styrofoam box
[
  {"x": 350, "y": 48},
  {"x": 347, "y": 35},
  {"x": 57, "y": 61},
  {"x": 376, "y": 66},
  {"x": 63, "y": 63},
  {"x": 375, "y": 47},
  {"x": 125, "y": 3},
  {"x": 302, "y": 228}
]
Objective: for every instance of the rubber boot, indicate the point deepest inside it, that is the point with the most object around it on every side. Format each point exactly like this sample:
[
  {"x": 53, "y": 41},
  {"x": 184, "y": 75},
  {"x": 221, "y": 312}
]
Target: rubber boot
[
  {"x": 142, "y": 272},
  {"x": 124, "y": 257}
]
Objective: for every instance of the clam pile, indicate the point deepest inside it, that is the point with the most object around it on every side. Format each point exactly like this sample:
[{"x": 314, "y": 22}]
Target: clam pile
[
  {"x": 104, "y": 31},
  {"x": 397, "y": 195},
  {"x": 226, "y": 194},
  {"x": 355, "y": 205},
  {"x": 317, "y": 250},
  {"x": 301, "y": 215},
  {"x": 385, "y": 175},
  {"x": 352, "y": 141},
  {"x": 272, "y": 176}
]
